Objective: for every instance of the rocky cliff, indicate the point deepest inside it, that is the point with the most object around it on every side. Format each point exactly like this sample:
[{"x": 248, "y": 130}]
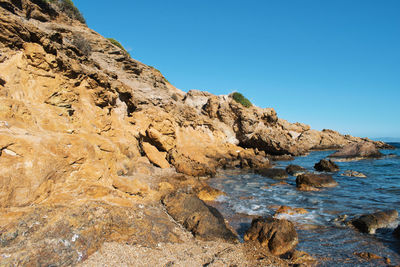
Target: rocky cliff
[{"x": 87, "y": 133}]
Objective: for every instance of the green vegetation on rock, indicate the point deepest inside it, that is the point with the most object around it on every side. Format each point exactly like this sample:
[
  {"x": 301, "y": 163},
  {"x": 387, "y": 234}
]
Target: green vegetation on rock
[
  {"x": 238, "y": 97},
  {"x": 67, "y": 7},
  {"x": 116, "y": 43}
]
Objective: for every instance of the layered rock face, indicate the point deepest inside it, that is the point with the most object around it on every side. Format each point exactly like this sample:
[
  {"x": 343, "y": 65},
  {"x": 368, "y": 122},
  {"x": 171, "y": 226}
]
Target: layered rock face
[{"x": 81, "y": 122}]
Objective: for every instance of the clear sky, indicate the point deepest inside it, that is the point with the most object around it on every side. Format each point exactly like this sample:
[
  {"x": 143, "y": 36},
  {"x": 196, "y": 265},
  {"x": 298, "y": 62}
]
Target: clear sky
[{"x": 331, "y": 64}]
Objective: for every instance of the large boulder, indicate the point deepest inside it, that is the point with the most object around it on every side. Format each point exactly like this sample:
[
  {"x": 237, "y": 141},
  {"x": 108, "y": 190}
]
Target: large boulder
[
  {"x": 357, "y": 151},
  {"x": 273, "y": 173},
  {"x": 309, "y": 181},
  {"x": 295, "y": 170},
  {"x": 203, "y": 221},
  {"x": 369, "y": 223},
  {"x": 326, "y": 166},
  {"x": 277, "y": 236}
]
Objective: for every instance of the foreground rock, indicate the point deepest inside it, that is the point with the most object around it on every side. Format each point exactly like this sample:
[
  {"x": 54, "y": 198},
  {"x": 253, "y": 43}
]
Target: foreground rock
[
  {"x": 326, "y": 166},
  {"x": 295, "y": 170},
  {"x": 369, "y": 223},
  {"x": 277, "y": 236},
  {"x": 273, "y": 173},
  {"x": 203, "y": 221},
  {"x": 357, "y": 151},
  {"x": 310, "y": 181},
  {"x": 350, "y": 173}
]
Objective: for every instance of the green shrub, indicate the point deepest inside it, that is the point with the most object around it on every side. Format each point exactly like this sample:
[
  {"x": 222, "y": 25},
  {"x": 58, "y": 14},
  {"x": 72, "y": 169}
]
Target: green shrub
[
  {"x": 67, "y": 7},
  {"x": 116, "y": 43},
  {"x": 238, "y": 97}
]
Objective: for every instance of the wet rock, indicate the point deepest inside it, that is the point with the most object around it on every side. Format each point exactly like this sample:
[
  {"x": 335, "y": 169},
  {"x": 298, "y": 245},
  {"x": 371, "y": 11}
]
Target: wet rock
[
  {"x": 277, "y": 236},
  {"x": 357, "y": 151},
  {"x": 301, "y": 258},
  {"x": 273, "y": 173},
  {"x": 350, "y": 173},
  {"x": 326, "y": 166},
  {"x": 309, "y": 181},
  {"x": 295, "y": 170},
  {"x": 285, "y": 157},
  {"x": 368, "y": 255},
  {"x": 290, "y": 211},
  {"x": 369, "y": 223},
  {"x": 397, "y": 232},
  {"x": 203, "y": 221},
  {"x": 208, "y": 193}
]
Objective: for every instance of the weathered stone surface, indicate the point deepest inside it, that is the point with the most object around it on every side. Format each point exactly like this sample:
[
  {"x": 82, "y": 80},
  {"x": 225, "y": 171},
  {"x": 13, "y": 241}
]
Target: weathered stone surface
[
  {"x": 277, "y": 236},
  {"x": 357, "y": 151},
  {"x": 65, "y": 235},
  {"x": 203, "y": 221},
  {"x": 208, "y": 193},
  {"x": 308, "y": 181},
  {"x": 295, "y": 170},
  {"x": 156, "y": 157},
  {"x": 369, "y": 223},
  {"x": 326, "y": 166},
  {"x": 273, "y": 173}
]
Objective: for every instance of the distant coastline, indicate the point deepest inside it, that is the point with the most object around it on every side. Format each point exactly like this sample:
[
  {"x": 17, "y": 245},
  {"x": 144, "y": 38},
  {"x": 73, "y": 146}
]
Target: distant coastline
[{"x": 387, "y": 139}]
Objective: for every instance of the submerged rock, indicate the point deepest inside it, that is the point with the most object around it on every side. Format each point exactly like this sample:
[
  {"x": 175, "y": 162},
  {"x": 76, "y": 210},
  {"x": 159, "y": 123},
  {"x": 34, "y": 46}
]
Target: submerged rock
[
  {"x": 295, "y": 170},
  {"x": 350, "y": 173},
  {"x": 369, "y": 223},
  {"x": 277, "y": 236},
  {"x": 326, "y": 166},
  {"x": 357, "y": 151},
  {"x": 397, "y": 232},
  {"x": 368, "y": 255},
  {"x": 273, "y": 173},
  {"x": 309, "y": 181},
  {"x": 205, "y": 222}
]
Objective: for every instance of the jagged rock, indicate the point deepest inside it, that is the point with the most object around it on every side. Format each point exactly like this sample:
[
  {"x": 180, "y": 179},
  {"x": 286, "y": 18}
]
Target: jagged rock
[
  {"x": 156, "y": 157},
  {"x": 309, "y": 181},
  {"x": 369, "y": 223},
  {"x": 326, "y": 166},
  {"x": 357, "y": 151},
  {"x": 203, "y": 221},
  {"x": 277, "y": 236},
  {"x": 273, "y": 173},
  {"x": 351, "y": 173},
  {"x": 295, "y": 170}
]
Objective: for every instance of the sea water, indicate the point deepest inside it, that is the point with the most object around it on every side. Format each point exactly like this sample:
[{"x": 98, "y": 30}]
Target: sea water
[{"x": 321, "y": 234}]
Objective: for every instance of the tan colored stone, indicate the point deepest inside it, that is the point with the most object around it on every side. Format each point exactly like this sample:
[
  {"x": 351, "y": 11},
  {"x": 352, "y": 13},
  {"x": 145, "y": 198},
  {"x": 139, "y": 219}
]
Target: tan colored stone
[{"x": 156, "y": 157}]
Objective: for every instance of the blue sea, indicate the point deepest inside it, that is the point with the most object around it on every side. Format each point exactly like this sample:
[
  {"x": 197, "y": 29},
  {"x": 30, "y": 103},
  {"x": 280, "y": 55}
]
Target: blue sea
[{"x": 320, "y": 233}]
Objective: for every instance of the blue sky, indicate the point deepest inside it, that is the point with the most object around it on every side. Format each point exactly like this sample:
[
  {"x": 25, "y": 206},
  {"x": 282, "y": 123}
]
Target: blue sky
[{"x": 331, "y": 64}]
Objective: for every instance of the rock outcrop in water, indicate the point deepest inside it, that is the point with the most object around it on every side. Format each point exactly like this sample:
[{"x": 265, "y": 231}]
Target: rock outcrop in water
[
  {"x": 369, "y": 223},
  {"x": 357, "y": 151},
  {"x": 87, "y": 132},
  {"x": 326, "y": 166},
  {"x": 310, "y": 181},
  {"x": 295, "y": 170}
]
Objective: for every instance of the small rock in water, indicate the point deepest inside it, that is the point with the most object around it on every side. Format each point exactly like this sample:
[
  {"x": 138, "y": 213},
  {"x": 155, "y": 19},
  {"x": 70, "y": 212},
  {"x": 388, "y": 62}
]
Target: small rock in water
[
  {"x": 368, "y": 255},
  {"x": 310, "y": 181},
  {"x": 290, "y": 210},
  {"x": 277, "y": 236},
  {"x": 295, "y": 170},
  {"x": 350, "y": 173},
  {"x": 326, "y": 166},
  {"x": 369, "y": 223},
  {"x": 273, "y": 173}
]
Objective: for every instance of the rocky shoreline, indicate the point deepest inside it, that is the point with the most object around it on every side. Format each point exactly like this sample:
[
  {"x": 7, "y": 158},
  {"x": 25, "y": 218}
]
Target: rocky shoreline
[{"x": 98, "y": 150}]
